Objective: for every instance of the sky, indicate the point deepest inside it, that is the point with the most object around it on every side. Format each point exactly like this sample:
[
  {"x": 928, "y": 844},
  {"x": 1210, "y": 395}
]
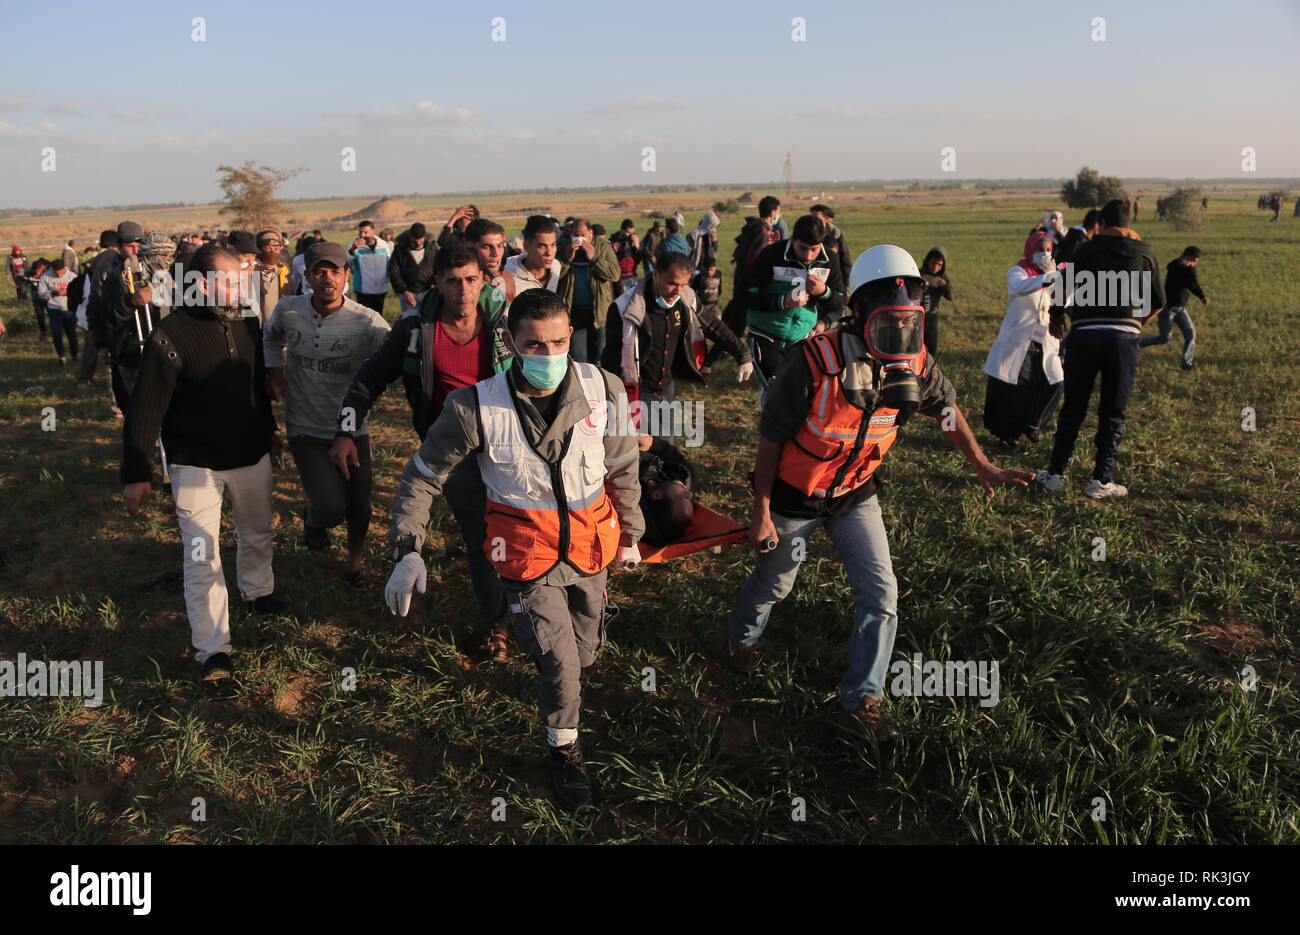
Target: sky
[{"x": 121, "y": 104}]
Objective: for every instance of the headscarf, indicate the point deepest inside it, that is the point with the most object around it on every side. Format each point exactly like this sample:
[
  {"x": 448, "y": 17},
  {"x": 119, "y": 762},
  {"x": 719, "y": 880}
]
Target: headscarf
[{"x": 1031, "y": 245}]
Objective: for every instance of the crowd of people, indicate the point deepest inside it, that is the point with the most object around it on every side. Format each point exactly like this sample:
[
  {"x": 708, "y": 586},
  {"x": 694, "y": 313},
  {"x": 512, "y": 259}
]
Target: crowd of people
[{"x": 521, "y": 357}]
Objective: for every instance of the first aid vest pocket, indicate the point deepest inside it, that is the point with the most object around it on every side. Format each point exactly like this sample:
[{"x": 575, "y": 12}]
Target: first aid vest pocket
[
  {"x": 839, "y": 446},
  {"x": 539, "y": 515}
]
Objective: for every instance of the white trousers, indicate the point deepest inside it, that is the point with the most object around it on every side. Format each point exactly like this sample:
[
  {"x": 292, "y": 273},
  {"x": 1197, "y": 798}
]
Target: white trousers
[{"x": 198, "y": 493}]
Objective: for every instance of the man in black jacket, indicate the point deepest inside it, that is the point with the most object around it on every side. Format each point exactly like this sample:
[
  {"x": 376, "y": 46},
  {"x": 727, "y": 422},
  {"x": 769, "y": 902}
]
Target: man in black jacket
[
  {"x": 203, "y": 381},
  {"x": 1116, "y": 288},
  {"x": 1180, "y": 284},
  {"x": 120, "y": 309},
  {"x": 411, "y": 268},
  {"x": 1080, "y": 233}
]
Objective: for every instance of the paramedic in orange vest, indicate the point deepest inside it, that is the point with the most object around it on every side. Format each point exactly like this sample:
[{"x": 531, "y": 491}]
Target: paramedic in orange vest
[
  {"x": 833, "y": 410},
  {"x": 560, "y": 466}
]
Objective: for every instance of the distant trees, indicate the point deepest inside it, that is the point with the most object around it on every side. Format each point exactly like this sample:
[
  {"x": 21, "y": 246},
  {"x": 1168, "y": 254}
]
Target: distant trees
[
  {"x": 1183, "y": 208},
  {"x": 1090, "y": 189},
  {"x": 249, "y": 193}
]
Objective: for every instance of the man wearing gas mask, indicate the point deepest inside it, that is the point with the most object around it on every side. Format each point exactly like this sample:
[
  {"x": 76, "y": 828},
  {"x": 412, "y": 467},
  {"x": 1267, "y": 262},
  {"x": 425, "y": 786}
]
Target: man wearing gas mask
[{"x": 834, "y": 408}]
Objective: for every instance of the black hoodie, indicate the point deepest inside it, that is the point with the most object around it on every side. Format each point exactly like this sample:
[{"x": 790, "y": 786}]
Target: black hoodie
[
  {"x": 1114, "y": 250},
  {"x": 404, "y": 273}
]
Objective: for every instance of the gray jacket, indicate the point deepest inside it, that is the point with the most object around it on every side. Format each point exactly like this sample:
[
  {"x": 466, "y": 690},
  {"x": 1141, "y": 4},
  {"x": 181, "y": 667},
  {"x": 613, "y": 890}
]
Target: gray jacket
[{"x": 456, "y": 436}]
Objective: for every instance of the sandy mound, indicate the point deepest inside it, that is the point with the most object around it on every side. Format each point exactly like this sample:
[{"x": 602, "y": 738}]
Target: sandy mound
[{"x": 386, "y": 209}]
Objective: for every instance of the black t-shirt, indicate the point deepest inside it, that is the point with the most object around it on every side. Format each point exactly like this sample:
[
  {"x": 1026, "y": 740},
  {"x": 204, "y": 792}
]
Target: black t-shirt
[{"x": 546, "y": 406}]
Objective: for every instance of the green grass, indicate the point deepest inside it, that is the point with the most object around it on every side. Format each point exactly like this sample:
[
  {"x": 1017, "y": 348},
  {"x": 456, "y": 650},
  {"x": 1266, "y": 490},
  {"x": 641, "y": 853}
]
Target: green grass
[{"x": 1119, "y": 680}]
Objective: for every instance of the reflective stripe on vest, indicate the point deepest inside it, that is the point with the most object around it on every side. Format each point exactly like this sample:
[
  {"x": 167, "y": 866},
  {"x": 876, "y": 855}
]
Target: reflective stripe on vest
[
  {"x": 535, "y": 514},
  {"x": 839, "y": 446}
]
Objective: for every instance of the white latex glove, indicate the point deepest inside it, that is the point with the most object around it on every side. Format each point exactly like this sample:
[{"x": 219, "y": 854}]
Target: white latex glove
[
  {"x": 407, "y": 574},
  {"x": 628, "y": 555},
  {"x": 744, "y": 371}
]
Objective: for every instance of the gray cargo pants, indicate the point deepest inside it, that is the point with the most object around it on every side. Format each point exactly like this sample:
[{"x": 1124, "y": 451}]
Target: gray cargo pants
[{"x": 561, "y": 628}]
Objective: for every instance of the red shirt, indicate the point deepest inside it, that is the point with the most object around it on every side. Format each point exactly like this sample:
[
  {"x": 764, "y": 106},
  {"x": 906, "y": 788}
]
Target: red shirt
[{"x": 456, "y": 365}]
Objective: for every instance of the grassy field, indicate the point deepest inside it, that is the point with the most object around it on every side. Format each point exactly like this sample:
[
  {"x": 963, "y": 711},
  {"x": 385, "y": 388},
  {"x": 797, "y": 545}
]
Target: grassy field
[{"x": 1120, "y": 680}]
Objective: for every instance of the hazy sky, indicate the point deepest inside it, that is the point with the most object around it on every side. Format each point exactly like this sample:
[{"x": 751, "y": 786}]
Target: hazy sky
[{"x": 137, "y": 111}]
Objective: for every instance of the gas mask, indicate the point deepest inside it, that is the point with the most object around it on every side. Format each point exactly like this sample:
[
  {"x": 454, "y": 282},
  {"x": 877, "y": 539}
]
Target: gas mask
[{"x": 893, "y": 330}]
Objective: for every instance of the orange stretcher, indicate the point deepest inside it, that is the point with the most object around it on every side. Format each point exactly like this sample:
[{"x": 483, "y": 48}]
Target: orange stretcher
[{"x": 707, "y": 530}]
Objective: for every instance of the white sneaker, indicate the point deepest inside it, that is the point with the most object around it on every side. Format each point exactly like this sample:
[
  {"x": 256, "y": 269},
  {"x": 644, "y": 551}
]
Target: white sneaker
[
  {"x": 1099, "y": 491},
  {"x": 1050, "y": 481}
]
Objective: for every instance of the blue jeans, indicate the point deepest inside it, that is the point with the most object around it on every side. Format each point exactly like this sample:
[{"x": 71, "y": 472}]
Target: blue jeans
[
  {"x": 1089, "y": 352},
  {"x": 1168, "y": 317},
  {"x": 587, "y": 345},
  {"x": 859, "y": 537}
]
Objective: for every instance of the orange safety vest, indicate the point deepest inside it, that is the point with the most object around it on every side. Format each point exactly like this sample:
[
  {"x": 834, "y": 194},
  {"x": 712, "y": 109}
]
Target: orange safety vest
[
  {"x": 839, "y": 446},
  {"x": 538, "y": 515}
]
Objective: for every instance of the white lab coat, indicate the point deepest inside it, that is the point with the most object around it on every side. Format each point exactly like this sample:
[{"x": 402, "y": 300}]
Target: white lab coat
[{"x": 1028, "y": 303}]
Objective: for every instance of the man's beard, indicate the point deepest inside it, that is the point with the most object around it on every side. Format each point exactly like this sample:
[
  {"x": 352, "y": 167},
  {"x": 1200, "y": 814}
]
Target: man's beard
[{"x": 226, "y": 313}]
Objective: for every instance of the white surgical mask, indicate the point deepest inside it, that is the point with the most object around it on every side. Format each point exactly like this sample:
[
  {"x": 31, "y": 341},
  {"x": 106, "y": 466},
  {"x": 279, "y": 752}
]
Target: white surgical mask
[{"x": 1043, "y": 260}]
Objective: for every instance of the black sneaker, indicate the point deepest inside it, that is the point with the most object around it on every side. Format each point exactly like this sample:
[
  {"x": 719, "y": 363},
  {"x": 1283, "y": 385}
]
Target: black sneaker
[
  {"x": 268, "y": 604},
  {"x": 216, "y": 666},
  {"x": 569, "y": 779}
]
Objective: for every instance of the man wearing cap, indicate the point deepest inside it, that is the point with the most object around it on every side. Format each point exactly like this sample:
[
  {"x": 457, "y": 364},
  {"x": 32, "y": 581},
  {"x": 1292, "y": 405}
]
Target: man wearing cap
[
  {"x": 120, "y": 298},
  {"x": 245, "y": 244},
  {"x": 271, "y": 269},
  {"x": 328, "y": 337},
  {"x": 203, "y": 382},
  {"x": 411, "y": 268}
]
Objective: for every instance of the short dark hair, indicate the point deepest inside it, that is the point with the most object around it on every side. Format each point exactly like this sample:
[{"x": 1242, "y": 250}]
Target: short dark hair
[
  {"x": 823, "y": 209},
  {"x": 454, "y": 257},
  {"x": 598, "y": 230},
  {"x": 479, "y": 228},
  {"x": 671, "y": 260},
  {"x": 1192, "y": 253},
  {"x": 534, "y": 305},
  {"x": 809, "y": 229},
  {"x": 768, "y": 204},
  {"x": 538, "y": 224},
  {"x": 1117, "y": 213},
  {"x": 58, "y": 263},
  {"x": 417, "y": 231},
  {"x": 673, "y": 226},
  {"x": 627, "y": 223},
  {"x": 362, "y": 224},
  {"x": 1092, "y": 217},
  {"x": 109, "y": 238}
]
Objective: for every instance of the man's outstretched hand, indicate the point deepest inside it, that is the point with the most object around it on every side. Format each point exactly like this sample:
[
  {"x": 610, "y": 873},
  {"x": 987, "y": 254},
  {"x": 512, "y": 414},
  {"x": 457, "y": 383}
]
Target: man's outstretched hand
[{"x": 989, "y": 474}]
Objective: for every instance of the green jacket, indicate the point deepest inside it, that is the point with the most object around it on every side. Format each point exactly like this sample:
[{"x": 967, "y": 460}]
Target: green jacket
[{"x": 604, "y": 273}]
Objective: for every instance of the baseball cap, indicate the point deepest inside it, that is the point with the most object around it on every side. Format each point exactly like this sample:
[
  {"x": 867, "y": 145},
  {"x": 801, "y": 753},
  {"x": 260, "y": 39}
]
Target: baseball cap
[
  {"x": 242, "y": 242},
  {"x": 326, "y": 252},
  {"x": 130, "y": 232}
]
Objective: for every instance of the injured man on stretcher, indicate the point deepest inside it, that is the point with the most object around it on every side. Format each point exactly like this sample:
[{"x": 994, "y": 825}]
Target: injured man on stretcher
[{"x": 667, "y": 491}]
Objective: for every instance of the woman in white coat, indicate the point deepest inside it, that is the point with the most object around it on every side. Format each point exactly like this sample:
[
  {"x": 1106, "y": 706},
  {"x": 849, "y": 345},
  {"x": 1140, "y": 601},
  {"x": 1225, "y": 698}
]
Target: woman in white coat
[{"x": 1024, "y": 364}]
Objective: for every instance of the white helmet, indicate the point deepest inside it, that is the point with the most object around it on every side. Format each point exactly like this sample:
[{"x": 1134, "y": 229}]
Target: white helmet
[{"x": 885, "y": 261}]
